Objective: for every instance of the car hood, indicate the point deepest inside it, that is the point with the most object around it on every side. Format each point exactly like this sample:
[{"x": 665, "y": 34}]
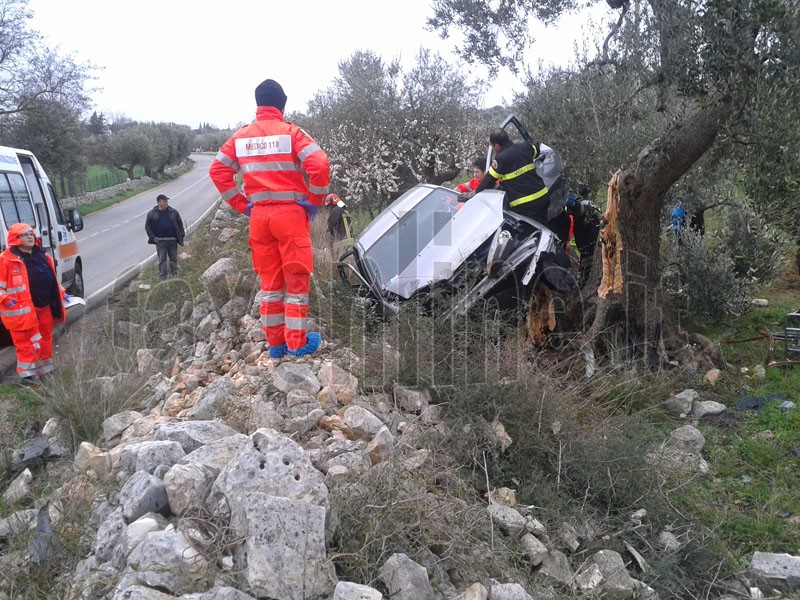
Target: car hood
[{"x": 425, "y": 236}]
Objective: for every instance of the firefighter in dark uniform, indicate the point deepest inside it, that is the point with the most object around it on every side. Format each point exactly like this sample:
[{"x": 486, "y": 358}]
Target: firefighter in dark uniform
[{"x": 514, "y": 169}]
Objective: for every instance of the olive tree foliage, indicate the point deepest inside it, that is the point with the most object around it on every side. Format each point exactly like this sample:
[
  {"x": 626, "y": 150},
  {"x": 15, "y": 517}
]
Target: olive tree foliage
[
  {"x": 30, "y": 71},
  {"x": 170, "y": 143},
  {"x": 591, "y": 117},
  {"x": 698, "y": 65},
  {"x": 440, "y": 122},
  {"x": 385, "y": 130},
  {"x": 211, "y": 141},
  {"x": 54, "y": 132},
  {"x": 767, "y": 148},
  {"x": 153, "y": 146}
]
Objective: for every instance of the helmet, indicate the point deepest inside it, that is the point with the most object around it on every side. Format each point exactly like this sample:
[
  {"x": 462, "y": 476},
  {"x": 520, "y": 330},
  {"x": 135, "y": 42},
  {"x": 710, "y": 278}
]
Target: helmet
[{"x": 331, "y": 199}]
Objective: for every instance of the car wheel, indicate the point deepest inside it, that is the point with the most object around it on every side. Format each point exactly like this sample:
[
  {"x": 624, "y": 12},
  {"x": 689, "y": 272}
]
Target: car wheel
[{"x": 77, "y": 289}]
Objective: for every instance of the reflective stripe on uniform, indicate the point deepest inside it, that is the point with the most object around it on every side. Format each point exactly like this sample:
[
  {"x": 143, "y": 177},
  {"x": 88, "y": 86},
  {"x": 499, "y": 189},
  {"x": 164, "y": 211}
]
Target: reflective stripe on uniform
[
  {"x": 16, "y": 290},
  {"x": 296, "y": 323},
  {"x": 530, "y": 198},
  {"x": 301, "y": 299},
  {"x": 36, "y": 337},
  {"x": 305, "y": 152},
  {"x": 315, "y": 189},
  {"x": 272, "y": 320},
  {"x": 513, "y": 174},
  {"x": 280, "y": 196},
  {"x": 346, "y": 221},
  {"x": 15, "y": 313},
  {"x": 263, "y": 296},
  {"x": 227, "y": 161},
  {"x": 257, "y": 167},
  {"x": 45, "y": 366},
  {"x": 231, "y": 193}
]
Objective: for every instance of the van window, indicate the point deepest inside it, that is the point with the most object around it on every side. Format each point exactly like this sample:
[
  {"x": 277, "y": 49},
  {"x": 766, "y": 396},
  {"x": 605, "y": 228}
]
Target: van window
[
  {"x": 57, "y": 206},
  {"x": 15, "y": 202}
]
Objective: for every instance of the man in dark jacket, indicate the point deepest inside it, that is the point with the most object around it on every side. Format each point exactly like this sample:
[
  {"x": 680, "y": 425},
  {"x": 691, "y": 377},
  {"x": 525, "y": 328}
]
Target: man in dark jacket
[{"x": 164, "y": 228}]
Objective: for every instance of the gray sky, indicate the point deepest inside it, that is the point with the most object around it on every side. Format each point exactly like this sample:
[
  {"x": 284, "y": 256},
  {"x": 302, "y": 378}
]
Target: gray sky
[{"x": 192, "y": 62}]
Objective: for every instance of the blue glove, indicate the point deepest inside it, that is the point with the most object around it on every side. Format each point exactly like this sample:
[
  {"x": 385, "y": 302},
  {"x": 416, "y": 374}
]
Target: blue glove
[
  {"x": 67, "y": 297},
  {"x": 311, "y": 209},
  {"x": 572, "y": 200},
  {"x": 248, "y": 209},
  {"x": 10, "y": 302}
]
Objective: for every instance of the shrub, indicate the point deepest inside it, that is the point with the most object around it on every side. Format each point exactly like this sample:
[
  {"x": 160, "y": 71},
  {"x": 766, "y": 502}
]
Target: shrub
[
  {"x": 758, "y": 246},
  {"x": 702, "y": 279}
]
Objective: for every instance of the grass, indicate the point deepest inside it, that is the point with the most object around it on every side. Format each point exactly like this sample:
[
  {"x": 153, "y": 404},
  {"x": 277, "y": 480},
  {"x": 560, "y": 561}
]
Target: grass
[
  {"x": 751, "y": 501},
  {"x": 87, "y": 209},
  {"x": 98, "y": 177}
]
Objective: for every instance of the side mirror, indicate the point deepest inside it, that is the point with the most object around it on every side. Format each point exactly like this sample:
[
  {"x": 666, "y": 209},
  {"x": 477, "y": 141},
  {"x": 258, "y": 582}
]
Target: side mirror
[{"x": 74, "y": 220}]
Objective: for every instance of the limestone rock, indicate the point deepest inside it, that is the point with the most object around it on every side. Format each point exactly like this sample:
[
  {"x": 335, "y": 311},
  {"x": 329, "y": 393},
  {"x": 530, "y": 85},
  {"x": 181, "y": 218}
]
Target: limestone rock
[{"x": 405, "y": 579}]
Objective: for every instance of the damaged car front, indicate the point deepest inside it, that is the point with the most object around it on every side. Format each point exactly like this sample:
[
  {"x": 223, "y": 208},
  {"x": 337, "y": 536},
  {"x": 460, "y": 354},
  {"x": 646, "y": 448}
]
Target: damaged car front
[{"x": 427, "y": 241}]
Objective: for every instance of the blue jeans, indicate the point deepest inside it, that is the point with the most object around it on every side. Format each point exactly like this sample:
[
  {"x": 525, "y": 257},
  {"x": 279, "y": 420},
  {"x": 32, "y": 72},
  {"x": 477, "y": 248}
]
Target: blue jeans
[{"x": 167, "y": 249}]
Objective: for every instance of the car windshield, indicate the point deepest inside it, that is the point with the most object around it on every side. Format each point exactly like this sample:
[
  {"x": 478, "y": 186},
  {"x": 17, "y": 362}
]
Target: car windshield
[{"x": 401, "y": 243}]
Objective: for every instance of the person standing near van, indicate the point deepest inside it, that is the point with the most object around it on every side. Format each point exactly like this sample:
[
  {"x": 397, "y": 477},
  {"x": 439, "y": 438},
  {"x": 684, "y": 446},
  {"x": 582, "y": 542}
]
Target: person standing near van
[
  {"x": 164, "y": 228},
  {"x": 31, "y": 300}
]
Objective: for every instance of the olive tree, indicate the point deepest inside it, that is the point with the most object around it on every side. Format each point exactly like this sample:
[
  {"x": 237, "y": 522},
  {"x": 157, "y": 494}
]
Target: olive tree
[
  {"x": 701, "y": 64},
  {"x": 385, "y": 130},
  {"x": 354, "y": 121},
  {"x": 55, "y": 133}
]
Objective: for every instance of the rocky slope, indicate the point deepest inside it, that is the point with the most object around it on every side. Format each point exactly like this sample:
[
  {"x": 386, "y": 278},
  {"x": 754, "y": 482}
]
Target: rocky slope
[{"x": 243, "y": 477}]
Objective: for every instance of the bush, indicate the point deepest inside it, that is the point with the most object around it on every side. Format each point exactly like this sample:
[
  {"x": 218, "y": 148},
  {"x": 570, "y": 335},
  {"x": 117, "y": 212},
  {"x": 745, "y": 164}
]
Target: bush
[
  {"x": 702, "y": 279},
  {"x": 758, "y": 246}
]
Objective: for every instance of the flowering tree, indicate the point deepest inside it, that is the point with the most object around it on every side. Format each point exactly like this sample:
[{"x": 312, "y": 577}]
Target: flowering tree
[{"x": 385, "y": 131}]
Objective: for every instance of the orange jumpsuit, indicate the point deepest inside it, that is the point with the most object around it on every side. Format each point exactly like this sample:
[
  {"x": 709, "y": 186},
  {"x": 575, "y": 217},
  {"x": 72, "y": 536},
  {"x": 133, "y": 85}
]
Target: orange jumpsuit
[
  {"x": 31, "y": 327},
  {"x": 274, "y": 158}
]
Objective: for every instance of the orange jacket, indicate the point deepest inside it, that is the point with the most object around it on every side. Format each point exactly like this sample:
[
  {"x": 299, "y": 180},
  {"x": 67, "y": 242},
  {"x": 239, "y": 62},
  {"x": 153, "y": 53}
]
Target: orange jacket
[
  {"x": 468, "y": 186},
  {"x": 272, "y": 155},
  {"x": 16, "y": 304}
]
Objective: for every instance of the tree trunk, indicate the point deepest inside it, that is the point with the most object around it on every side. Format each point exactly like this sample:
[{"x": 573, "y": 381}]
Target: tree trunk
[{"x": 636, "y": 321}]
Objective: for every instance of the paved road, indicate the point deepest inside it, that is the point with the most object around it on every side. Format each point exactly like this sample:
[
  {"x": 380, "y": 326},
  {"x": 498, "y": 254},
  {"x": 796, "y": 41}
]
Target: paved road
[{"x": 113, "y": 244}]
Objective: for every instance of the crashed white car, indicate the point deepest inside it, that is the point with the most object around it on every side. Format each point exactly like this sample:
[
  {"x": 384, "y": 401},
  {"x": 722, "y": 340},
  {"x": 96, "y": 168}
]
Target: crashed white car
[{"x": 427, "y": 241}]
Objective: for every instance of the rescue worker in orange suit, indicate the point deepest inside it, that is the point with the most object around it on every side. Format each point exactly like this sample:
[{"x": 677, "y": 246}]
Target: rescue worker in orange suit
[
  {"x": 514, "y": 169},
  {"x": 274, "y": 158},
  {"x": 31, "y": 300},
  {"x": 477, "y": 175}
]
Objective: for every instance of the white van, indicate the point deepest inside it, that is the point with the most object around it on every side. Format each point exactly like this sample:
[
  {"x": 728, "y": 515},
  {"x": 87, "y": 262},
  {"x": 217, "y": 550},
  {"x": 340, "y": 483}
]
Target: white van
[{"x": 27, "y": 196}]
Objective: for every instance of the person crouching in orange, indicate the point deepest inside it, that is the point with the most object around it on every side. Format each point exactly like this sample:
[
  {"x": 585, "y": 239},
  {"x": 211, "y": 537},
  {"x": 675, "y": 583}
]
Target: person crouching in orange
[{"x": 31, "y": 299}]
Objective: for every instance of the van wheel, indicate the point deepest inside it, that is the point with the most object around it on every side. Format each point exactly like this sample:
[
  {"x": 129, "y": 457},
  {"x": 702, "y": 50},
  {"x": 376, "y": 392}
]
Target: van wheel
[{"x": 76, "y": 289}]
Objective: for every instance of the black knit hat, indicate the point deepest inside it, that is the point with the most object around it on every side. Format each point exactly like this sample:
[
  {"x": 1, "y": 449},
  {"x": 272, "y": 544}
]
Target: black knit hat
[{"x": 270, "y": 93}]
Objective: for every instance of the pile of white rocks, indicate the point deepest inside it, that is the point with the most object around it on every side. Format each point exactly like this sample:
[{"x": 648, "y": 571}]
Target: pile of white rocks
[{"x": 219, "y": 487}]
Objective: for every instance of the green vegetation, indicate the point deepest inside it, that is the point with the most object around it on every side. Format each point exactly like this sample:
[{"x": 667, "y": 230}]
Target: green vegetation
[
  {"x": 578, "y": 447},
  {"x": 88, "y": 209},
  {"x": 96, "y": 178}
]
